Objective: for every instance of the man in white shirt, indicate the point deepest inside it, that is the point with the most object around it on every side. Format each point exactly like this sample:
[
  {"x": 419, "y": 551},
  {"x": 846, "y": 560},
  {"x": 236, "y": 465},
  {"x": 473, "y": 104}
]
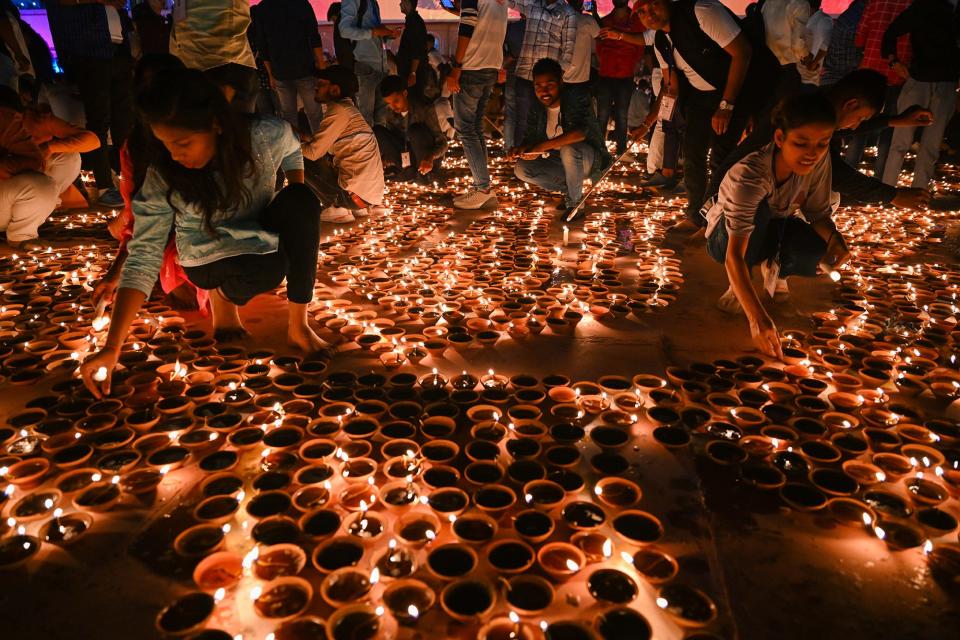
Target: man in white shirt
[
  {"x": 785, "y": 26},
  {"x": 350, "y": 181},
  {"x": 725, "y": 80},
  {"x": 577, "y": 75},
  {"x": 476, "y": 66},
  {"x": 819, "y": 28}
]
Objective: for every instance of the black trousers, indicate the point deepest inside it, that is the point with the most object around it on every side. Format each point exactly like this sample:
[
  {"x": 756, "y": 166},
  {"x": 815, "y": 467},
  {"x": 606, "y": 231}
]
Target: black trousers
[
  {"x": 703, "y": 149},
  {"x": 294, "y": 215},
  {"x": 418, "y": 141},
  {"x": 324, "y": 179},
  {"x": 793, "y": 241},
  {"x": 524, "y": 99},
  {"x": 106, "y": 90}
]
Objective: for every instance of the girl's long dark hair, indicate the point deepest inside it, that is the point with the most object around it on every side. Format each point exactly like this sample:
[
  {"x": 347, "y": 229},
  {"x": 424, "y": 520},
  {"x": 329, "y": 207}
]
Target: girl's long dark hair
[{"x": 185, "y": 99}]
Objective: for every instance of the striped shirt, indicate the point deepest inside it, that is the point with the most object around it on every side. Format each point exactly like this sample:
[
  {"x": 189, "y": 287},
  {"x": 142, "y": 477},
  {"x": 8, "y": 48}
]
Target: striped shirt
[
  {"x": 551, "y": 33},
  {"x": 485, "y": 23},
  {"x": 212, "y": 33}
]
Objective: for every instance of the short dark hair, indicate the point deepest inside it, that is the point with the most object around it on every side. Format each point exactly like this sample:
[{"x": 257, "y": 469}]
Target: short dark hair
[
  {"x": 866, "y": 85},
  {"x": 391, "y": 85},
  {"x": 803, "y": 109},
  {"x": 341, "y": 76},
  {"x": 548, "y": 67},
  {"x": 333, "y": 11}
]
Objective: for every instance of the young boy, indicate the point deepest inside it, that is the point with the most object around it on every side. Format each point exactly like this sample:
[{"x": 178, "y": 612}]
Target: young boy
[
  {"x": 412, "y": 141},
  {"x": 563, "y": 143},
  {"x": 343, "y": 159}
]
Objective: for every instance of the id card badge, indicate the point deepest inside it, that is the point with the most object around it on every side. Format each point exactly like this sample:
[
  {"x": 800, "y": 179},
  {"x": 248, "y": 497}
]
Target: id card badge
[
  {"x": 667, "y": 106},
  {"x": 405, "y": 159},
  {"x": 179, "y": 10},
  {"x": 771, "y": 277}
]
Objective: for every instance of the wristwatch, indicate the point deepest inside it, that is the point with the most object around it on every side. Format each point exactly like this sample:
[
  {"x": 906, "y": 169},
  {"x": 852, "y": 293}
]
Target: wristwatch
[{"x": 726, "y": 106}]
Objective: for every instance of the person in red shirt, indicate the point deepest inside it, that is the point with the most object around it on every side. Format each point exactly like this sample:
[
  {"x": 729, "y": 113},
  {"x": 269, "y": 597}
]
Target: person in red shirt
[
  {"x": 876, "y": 17},
  {"x": 618, "y": 60}
]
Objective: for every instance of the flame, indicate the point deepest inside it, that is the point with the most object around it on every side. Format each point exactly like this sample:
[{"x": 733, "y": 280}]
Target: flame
[{"x": 572, "y": 566}]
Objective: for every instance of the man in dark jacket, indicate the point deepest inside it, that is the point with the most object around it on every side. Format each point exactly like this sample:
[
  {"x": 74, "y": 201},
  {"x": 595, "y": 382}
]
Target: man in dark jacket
[
  {"x": 718, "y": 72},
  {"x": 411, "y": 141},
  {"x": 563, "y": 143}
]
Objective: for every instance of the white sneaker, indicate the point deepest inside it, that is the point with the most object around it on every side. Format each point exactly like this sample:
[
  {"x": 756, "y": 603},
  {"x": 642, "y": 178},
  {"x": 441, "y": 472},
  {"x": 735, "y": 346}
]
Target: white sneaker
[
  {"x": 361, "y": 213},
  {"x": 336, "y": 215},
  {"x": 379, "y": 210},
  {"x": 475, "y": 199},
  {"x": 728, "y": 302}
]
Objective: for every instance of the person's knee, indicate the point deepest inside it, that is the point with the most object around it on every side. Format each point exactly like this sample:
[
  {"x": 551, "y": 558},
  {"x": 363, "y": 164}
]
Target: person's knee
[{"x": 521, "y": 170}]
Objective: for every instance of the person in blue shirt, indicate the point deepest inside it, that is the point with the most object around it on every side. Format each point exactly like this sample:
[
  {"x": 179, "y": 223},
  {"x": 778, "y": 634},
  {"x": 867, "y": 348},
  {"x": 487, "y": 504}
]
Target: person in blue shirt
[
  {"x": 360, "y": 22},
  {"x": 212, "y": 182}
]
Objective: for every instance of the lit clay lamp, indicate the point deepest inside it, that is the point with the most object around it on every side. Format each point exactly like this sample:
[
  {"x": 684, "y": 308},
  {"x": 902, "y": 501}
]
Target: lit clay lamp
[
  {"x": 687, "y": 606},
  {"x": 283, "y": 599},
  {"x": 509, "y": 628},
  {"x": 560, "y": 560},
  {"x": 509, "y": 556},
  {"x": 355, "y": 622},
  {"x": 64, "y": 529},
  {"x": 451, "y": 561},
  {"x": 220, "y": 570},
  {"x": 623, "y": 622},
  {"x": 408, "y": 600},
  {"x": 188, "y": 614},
  {"x": 467, "y": 600},
  {"x": 348, "y": 585},
  {"x": 336, "y": 553}
]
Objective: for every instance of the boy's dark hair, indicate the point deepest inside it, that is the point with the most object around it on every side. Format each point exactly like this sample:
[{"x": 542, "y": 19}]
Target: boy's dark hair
[
  {"x": 333, "y": 11},
  {"x": 391, "y": 85},
  {"x": 804, "y": 109},
  {"x": 341, "y": 76},
  {"x": 865, "y": 85},
  {"x": 548, "y": 66}
]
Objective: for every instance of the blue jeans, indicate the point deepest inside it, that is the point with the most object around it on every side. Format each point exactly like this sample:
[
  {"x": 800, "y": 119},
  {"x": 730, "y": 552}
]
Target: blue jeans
[
  {"x": 940, "y": 98},
  {"x": 792, "y": 240},
  {"x": 510, "y": 112},
  {"x": 613, "y": 96},
  {"x": 369, "y": 101},
  {"x": 523, "y": 102},
  {"x": 469, "y": 107},
  {"x": 563, "y": 170},
  {"x": 287, "y": 92}
]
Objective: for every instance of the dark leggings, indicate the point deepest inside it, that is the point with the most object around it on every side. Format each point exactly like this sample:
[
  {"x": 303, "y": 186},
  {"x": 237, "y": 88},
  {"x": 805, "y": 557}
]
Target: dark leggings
[
  {"x": 793, "y": 241},
  {"x": 294, "y": 215}
]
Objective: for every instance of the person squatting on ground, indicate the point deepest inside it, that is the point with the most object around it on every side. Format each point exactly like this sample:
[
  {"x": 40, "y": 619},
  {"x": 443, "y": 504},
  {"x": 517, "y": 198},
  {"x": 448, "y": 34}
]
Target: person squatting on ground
[
  {"x": 213, "y": 182},
  {"x": 563, "y": 143},
  {"x": 342, "y": 159},
  {"x": 774, "y": 210}
]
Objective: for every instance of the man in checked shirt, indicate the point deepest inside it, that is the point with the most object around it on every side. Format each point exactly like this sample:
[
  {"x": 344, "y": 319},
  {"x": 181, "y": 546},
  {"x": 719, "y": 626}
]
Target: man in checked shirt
[{"x": 551, "y": 33}]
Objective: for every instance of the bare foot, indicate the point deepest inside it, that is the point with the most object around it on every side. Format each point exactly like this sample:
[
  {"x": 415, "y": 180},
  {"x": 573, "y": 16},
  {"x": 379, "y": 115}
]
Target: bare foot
[
  {"x": 226, "y": 319},
  {"x": 303, "y": 338}
]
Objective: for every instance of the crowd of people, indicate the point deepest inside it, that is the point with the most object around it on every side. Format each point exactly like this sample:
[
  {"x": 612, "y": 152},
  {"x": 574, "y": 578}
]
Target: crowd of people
[{"x": 227, "y": 133}]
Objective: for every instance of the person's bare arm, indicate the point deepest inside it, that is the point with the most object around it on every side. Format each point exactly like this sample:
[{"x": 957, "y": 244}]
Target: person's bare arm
[
  {"x": 740, "y": 54},
  {"x": 762, "y": 328},
  {"x": 125, "y": 310},
  {"x": 570, "y": 137}
]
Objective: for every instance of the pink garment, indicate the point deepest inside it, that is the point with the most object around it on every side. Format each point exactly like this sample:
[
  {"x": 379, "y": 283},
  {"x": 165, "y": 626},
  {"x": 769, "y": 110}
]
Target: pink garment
[{"x": 172, "y": 274}]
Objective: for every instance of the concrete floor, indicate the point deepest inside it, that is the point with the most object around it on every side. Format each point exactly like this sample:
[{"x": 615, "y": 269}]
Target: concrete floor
[{"x": 773, "y": 573}]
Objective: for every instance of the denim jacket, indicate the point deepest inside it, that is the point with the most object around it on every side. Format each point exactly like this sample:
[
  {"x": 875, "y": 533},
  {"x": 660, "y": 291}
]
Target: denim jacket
[{"x": 274, "y": 147}]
